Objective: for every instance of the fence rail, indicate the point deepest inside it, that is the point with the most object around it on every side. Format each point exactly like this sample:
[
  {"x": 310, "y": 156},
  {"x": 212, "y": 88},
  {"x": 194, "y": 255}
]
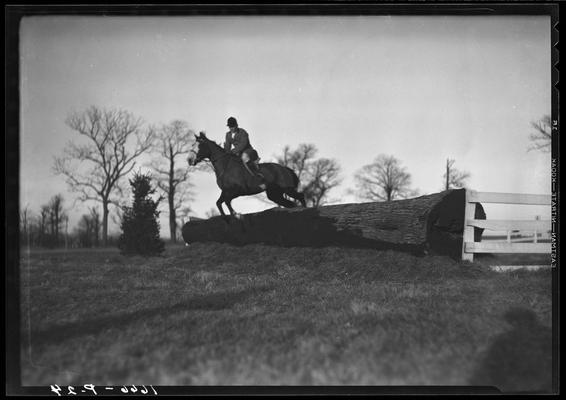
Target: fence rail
[
  {"x": 504, "y": 224},
  {"x": 508, "y": 198},
  {"x": 504, "y": 247},
  {"x": 469, "y": 247}
]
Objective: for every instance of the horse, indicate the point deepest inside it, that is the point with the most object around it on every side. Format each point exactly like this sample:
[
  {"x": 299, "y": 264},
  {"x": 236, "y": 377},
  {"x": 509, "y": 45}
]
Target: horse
[{"x": 234, "y": 178}]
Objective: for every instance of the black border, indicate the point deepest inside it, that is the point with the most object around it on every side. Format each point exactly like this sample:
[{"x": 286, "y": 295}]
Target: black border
[
  {"x": 11, "y": 201},
  {"x": 13, "y": 15},
  {"x": 279, "y": 390},
  {"x": 336, "y": 8}
]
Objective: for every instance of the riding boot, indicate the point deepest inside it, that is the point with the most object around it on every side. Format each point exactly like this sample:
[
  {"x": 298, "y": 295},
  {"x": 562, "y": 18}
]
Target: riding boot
[{"x": 255, "y": 169}]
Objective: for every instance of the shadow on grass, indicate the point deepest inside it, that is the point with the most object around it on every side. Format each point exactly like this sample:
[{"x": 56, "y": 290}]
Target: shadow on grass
[
  {"x": 519, "y": 360},
  {"x": 216, "y": 301}
]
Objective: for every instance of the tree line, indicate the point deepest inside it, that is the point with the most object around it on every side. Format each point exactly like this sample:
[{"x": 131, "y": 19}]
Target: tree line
[
  {"x": 114, "y": 139},
  {"x": 47, "y": 228}
]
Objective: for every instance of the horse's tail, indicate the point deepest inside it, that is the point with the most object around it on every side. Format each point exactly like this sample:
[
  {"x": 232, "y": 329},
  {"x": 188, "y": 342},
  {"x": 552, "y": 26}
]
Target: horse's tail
[{"x": 294, "y": 177}]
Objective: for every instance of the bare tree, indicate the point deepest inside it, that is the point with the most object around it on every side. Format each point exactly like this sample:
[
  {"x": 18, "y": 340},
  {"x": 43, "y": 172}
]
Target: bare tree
[
  {"x": 383, "y": 180},
  {"x": 95, "y": 169},
  {"x": 56, "y": 216},
  {"x": 541, "y": 139},
  {"x": 89, "y": 228},
  {"x": 172, "y": 142},
  {"x": 317, "y": 176},
  {"x": 43, "y": 220},
  {"x": 25, "y": 224},
  {"x": 95, "y": 222},
  {"x": 298, "y": 159},
  {"x": 50, "y": 221},
  {"x": 454, "y": 178},
  {"x": 323, "y": 175},
  {"x": 65, "y": 221},
  {"x": 85, "y": 231}
]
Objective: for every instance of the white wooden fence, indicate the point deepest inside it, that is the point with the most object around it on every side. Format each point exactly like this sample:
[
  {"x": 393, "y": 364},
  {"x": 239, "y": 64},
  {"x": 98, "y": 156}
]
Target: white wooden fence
[{"x": 469, "y": 247}]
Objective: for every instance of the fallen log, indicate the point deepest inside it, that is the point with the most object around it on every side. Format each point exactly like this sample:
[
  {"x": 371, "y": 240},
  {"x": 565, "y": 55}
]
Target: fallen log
[{"x": 432, "y": 223}]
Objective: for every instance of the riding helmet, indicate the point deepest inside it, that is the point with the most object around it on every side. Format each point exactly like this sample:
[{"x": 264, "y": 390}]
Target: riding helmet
[{"x": 232, "y": 123}]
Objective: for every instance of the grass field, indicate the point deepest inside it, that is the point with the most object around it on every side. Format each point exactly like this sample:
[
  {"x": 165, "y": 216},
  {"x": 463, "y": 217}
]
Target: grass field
[{"x": 212, "y": 314}]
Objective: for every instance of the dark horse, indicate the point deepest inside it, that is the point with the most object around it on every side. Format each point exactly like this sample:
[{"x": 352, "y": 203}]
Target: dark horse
[{"x": 234, "y": 179}]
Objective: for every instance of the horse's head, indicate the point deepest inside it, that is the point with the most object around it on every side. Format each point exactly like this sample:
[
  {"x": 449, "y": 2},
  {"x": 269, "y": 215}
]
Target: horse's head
[{"x": 200, "y": 151}]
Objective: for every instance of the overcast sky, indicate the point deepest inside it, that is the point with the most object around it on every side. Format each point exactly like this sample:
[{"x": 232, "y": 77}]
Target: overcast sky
[{"x": 421, "y": 88}]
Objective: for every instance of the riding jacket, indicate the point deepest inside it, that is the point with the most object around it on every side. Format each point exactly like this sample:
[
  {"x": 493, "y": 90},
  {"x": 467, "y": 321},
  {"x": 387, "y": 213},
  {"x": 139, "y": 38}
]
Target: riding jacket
[{"x": 240, "y": 141}]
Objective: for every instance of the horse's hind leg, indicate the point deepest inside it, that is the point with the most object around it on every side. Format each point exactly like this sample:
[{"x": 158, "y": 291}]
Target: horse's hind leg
[
  {"x": 292, "y": 192},
  {"x": 276, "y": 196}
]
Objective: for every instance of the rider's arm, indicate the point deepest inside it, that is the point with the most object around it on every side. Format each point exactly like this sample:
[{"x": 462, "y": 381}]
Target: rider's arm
[
  {"x": 228, "y": 142},
  {"x": 242, "y": 143}
]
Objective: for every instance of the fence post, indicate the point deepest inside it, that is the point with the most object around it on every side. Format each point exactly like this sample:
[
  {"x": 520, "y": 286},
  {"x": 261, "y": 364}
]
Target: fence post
[{"x": 468, "y": 234}]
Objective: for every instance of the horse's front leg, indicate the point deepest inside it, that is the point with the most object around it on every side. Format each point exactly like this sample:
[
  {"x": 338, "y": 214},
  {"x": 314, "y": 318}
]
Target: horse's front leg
[
  {"x": 228, "y": 202},
  {"x": 219, "y": 202},
  {"x": 232, "y": 212}
]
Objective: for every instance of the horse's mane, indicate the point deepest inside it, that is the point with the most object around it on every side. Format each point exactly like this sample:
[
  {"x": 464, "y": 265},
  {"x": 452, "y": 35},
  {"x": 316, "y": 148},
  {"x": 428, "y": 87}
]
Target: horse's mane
[
  {"x": 215, "y": 144},
  {"x": 212, "y": 142}
]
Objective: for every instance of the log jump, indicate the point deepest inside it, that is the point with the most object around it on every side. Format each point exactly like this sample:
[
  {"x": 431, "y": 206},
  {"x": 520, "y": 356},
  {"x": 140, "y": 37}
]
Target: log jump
[{"x": 427, "y": 224}]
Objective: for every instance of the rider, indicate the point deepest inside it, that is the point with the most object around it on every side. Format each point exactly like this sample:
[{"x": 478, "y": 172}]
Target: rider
[{"x": 239, "y": 138}]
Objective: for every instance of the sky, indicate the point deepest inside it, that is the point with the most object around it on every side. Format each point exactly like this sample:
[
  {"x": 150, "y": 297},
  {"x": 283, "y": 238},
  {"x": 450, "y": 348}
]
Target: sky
[{"x": 420, "y": 88}]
